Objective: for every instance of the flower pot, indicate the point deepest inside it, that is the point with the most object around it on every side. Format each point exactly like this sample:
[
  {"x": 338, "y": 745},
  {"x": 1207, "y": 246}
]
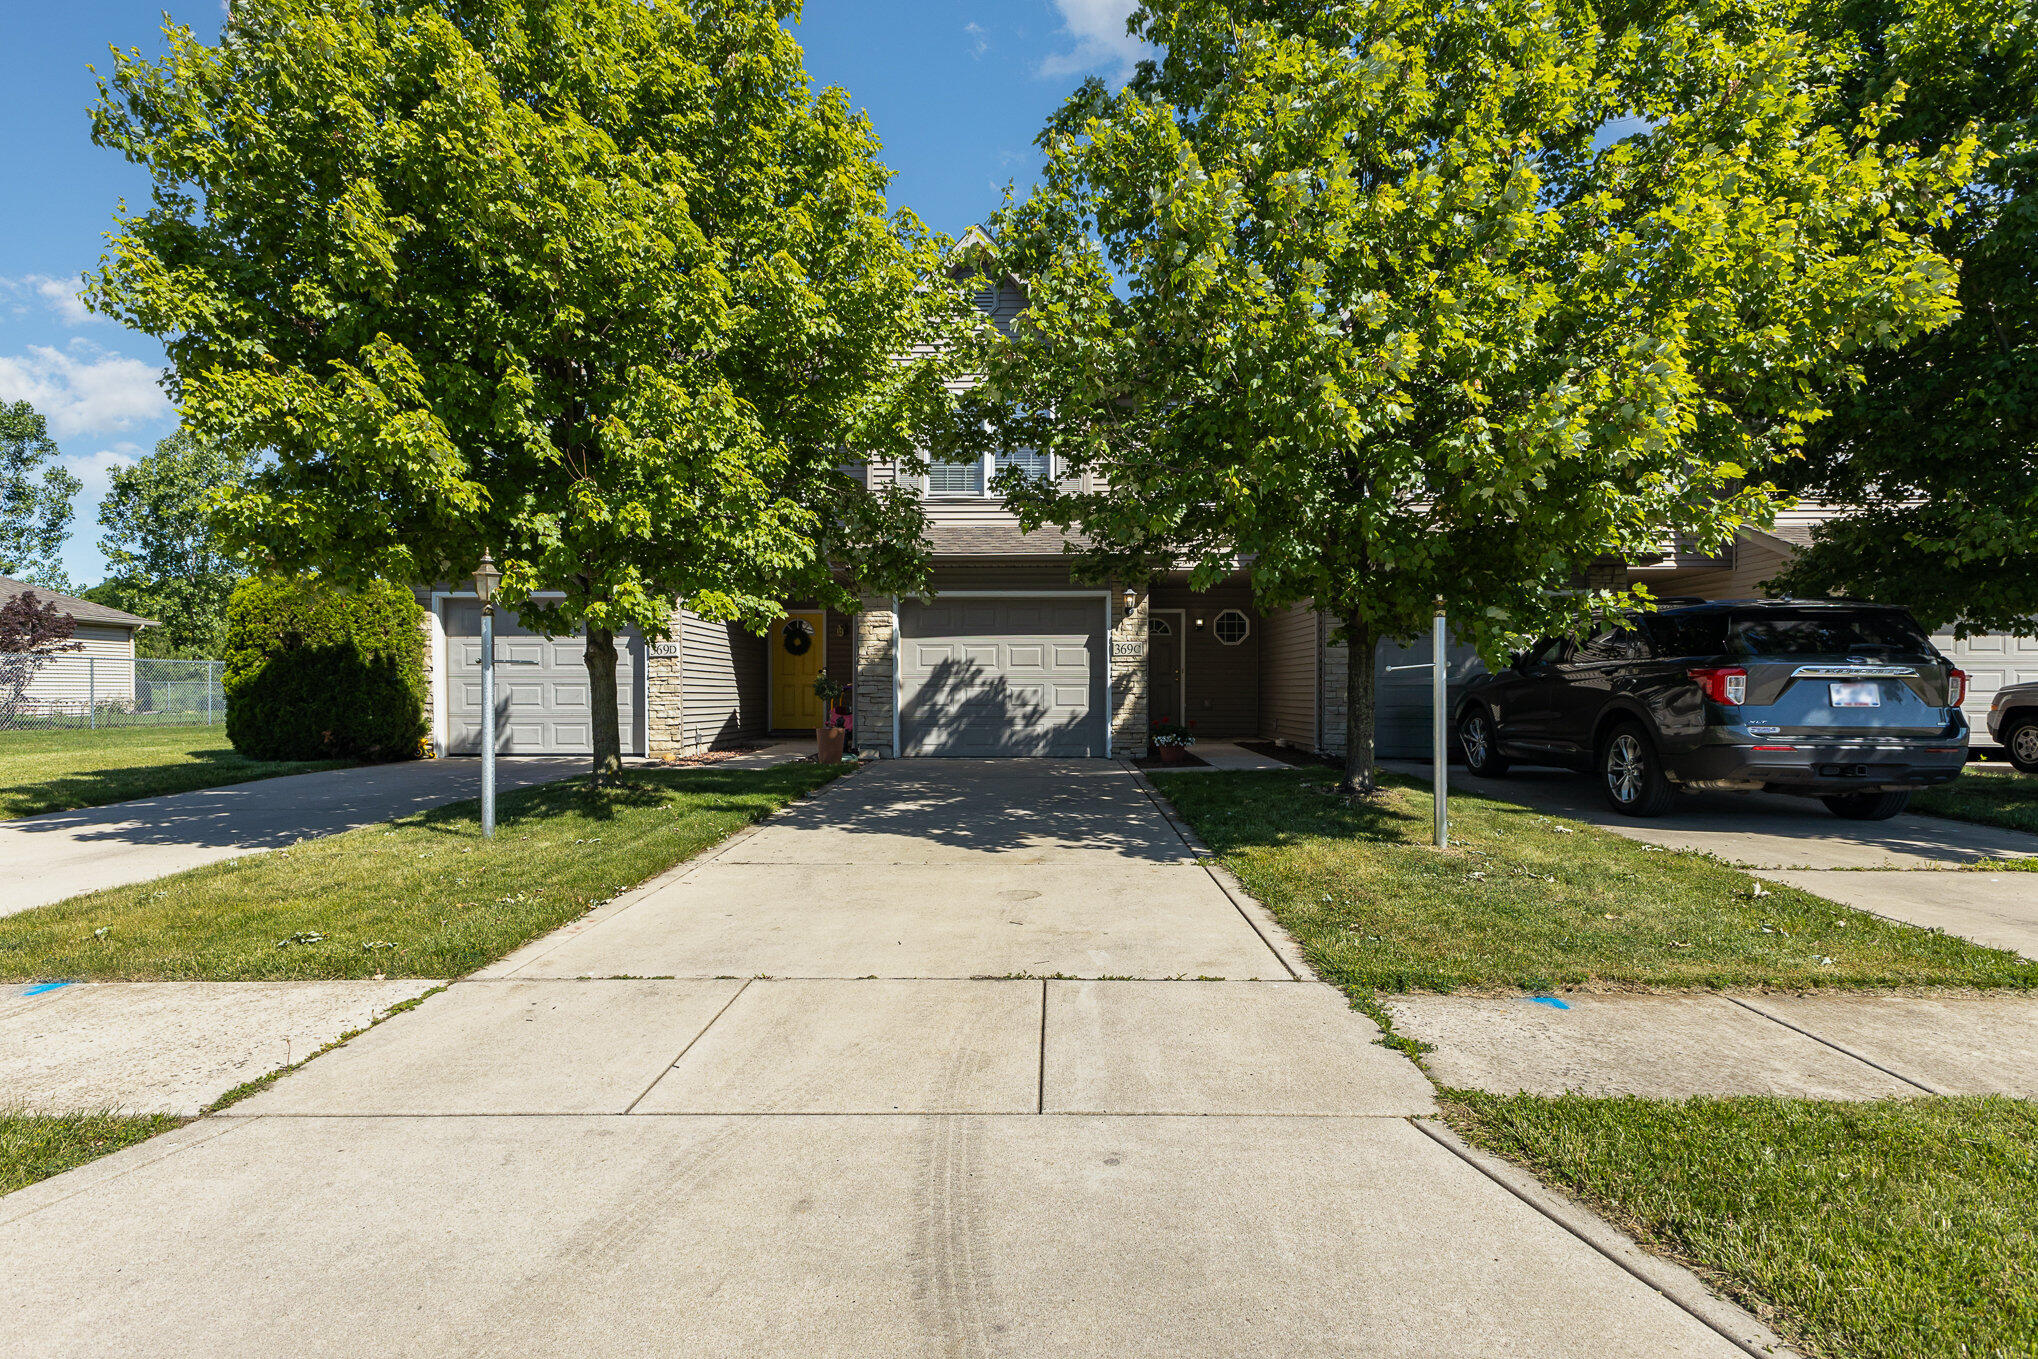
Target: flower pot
[
  {"x": 1172, "y": 754},
  {"x": 828, "y": 742}
]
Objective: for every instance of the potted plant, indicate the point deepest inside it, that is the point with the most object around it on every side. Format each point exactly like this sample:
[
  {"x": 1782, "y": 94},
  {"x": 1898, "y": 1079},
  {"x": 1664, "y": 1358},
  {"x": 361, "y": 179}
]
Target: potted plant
[
  {"x": 836, "y": 720},
  {"x": 1171, "y": 742}
]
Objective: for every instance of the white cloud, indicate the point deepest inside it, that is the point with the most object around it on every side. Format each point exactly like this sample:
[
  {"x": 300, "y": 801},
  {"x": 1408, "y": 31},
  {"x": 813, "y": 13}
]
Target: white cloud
[
  {"x": 89, "y": 391},
  {"x": 59, "y": 295},
  {"x": 1101, "y": 42},
  {"x": 979, "y": 41}
]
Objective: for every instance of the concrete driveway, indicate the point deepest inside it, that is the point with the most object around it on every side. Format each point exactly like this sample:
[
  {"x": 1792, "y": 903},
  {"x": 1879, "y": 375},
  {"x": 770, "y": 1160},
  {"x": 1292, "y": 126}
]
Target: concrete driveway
[
  {"x": 1913, "y": 867},
  {"x": 951, "y": 1059},
  {"x": 61, "y": 854}
]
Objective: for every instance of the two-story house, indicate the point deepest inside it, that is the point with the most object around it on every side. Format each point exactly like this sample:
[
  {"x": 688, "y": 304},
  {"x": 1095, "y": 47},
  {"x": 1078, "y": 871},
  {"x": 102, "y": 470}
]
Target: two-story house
[{"x": 1008, "y": 655}]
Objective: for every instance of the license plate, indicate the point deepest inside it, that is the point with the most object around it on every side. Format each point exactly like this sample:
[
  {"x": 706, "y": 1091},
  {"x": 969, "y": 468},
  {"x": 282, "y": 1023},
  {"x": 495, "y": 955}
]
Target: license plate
[{"x": 1857, "y": 695}]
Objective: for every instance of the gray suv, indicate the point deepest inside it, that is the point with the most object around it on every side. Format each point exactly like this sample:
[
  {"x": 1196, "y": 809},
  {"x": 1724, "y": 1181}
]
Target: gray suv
[
  {"x": 2013, "y": 720},
  {"x": 1849, "y": 703}
]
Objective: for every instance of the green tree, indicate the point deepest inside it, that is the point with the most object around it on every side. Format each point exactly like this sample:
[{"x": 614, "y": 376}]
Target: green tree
[
  {"x": 165, "y": 552},
  {"x": 1938, "y": 444},
  {"x": 1368, "y": 297},
  {"x": 35, "y": 499},
  {"x": 601, "y": 286}
]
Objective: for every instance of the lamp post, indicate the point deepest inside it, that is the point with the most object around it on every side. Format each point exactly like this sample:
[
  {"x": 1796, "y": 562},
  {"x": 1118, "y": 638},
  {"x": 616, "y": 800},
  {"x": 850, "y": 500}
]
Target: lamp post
[{"x": 486, "y": 578}]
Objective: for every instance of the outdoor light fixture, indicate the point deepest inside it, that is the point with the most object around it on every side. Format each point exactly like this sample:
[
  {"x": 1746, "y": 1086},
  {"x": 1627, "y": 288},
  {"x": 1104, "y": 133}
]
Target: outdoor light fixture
[
  {"x": 486, "y": 578},
  {"x": 1131, "y": 600},
  {"x": 1199, "y": 625}
]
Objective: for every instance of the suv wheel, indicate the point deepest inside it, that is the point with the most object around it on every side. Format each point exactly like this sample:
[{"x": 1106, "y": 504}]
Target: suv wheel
[
  {"x": 2021, "y": 740},
  {"x": 1481, "y": 744},
  {"x": 1868, "y": 806},
  {"x": 1631, "y": 773}
]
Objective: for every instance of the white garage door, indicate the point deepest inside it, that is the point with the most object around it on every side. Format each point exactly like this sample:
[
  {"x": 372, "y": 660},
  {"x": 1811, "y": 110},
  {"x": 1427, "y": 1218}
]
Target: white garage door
[
  {"x": 1992, "y": 661},
  {"x": 1002, "y": 676},
  {"x": 542, "y": 696}
]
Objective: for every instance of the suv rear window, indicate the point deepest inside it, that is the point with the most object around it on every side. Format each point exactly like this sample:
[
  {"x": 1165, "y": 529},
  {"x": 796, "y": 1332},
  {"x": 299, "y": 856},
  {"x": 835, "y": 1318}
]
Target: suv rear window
[
  {"x": 1689, "y": 634},
  {"x": 1826, "y": 632}
]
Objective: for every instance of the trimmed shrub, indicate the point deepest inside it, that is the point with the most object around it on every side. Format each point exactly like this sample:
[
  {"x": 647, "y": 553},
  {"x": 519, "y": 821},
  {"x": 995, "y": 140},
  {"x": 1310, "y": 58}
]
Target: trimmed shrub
[{"x": 318, "y": 673}]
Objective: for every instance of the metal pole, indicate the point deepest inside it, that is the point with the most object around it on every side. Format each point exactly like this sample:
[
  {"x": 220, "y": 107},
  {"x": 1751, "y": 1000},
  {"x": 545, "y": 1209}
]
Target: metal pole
[
  {"x": 1440, "y": 729},
  {"x": 488, "y": 721}
]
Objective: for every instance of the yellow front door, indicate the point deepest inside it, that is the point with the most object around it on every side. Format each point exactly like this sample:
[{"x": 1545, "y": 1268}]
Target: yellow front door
[{"x": 797, "y": 647}]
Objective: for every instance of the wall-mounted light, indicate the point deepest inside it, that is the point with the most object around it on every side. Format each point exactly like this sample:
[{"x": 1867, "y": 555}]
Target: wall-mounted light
[
  {"x": 1130, "y": 600},
  {"x": 1199, "y": 625},
  {"x": 841, "y": 628}
]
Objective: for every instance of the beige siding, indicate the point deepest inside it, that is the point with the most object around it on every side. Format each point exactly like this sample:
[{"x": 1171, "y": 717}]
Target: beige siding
[
  {"x": 101, "y": 669},
  {"x": 723, "y": 683},
  {"x": 1288, "y": 677}
]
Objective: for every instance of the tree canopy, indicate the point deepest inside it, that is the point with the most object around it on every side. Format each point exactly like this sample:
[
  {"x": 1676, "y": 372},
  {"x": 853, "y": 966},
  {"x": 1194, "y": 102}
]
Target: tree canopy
[
  {"x": 600, "y": 286},
  {"x": 1394, "y": 302},
  {"x": 166, "y": 556},
  {"x": 35, "y": 499},
  {"x": 1936, "y": 448}
]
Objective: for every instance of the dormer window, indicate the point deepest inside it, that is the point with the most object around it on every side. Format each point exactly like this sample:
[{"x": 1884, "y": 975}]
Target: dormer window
[{"x": 972, "y": 479}]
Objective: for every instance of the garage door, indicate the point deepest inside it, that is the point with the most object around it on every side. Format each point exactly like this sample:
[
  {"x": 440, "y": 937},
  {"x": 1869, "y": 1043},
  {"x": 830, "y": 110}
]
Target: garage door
[
  {"x": 1992, "y": 661},
  {"x": 541, "y": 690},
  {"x": 1003, "y": 676}
]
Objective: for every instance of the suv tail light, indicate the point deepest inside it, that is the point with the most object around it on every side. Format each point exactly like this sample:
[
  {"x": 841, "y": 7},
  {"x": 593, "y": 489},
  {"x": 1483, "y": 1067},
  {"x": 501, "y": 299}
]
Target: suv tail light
[
  {"x": 1956, "y": 688},
  {"x": 1725, "y": 685}
]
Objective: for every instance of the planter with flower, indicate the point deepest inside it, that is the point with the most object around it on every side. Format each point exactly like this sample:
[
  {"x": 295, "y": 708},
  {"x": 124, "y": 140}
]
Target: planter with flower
[
  {"x": 832, "y": 736},
  {"x": 1171, "y": 742}
]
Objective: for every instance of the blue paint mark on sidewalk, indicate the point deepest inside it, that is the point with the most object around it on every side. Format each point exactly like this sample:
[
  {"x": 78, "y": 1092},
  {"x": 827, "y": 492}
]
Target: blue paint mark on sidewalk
[
  {"x": 1550, "y": 1001},
  {"x": 45, "y": 986}
]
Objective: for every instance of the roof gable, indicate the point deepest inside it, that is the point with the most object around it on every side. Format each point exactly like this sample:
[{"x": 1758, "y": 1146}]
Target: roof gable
[{"x": 80, "y": 610}]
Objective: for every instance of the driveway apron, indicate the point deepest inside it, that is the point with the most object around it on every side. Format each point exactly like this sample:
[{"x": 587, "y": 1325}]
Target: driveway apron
[{"x": 953, "y": 1058}]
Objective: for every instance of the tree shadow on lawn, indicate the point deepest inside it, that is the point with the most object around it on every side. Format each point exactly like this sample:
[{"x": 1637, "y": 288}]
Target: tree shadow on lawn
[
  {"x": 1268, "y": 809},
  {"x": 695, "y": 791}
]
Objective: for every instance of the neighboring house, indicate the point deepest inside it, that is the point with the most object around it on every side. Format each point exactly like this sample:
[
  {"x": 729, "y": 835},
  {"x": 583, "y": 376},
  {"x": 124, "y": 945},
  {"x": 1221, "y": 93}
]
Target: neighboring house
[{"x": 100, "y": 669}]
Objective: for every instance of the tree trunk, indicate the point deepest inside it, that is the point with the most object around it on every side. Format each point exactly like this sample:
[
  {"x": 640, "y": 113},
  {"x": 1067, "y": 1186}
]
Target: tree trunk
[
  {"x": 1362, "y": 645},
  {"x": 608, "y": 720}
]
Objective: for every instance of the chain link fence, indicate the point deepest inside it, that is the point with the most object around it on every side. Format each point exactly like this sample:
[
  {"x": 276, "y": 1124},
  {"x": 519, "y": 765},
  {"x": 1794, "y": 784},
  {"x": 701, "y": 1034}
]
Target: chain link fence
[{"x": 72, "y": 692}]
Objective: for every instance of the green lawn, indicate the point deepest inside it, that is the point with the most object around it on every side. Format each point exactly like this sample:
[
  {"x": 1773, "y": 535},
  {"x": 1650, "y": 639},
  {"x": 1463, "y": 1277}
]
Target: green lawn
[
  {"x": 1903, "y": 1229},
  {"x": 56, "y": 771},
  {"x": 1992, "y": 794},
  {"x": 36, "y": 1146},
  {"x": 1525, "y": 900},
  {"x": 422, "y": 897}
]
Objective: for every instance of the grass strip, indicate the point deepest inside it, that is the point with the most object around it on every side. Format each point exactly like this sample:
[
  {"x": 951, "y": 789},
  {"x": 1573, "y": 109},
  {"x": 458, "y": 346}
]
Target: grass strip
[
  {"x": 36, "y": 1146},
  {"x": 1527, "y": 901},
  {"x": 1986, "y": 794},
  {"x": 1898, "y": 1229},
  {"x": 61, "y": 771},
  {"x": 424, "y": 896}
]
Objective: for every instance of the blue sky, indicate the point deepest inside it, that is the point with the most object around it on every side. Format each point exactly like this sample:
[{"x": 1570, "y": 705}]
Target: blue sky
[{"x": 957, "y": 89}]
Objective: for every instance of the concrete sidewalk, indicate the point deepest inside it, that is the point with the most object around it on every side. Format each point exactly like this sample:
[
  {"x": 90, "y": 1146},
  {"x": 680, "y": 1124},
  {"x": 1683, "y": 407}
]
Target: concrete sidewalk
[
  {"x": 62, "y": 854},
  {"x": 1838, "y": 1045},
  {"x": 949, "y": 1059},
  {"x": 170, "y": 1047}
]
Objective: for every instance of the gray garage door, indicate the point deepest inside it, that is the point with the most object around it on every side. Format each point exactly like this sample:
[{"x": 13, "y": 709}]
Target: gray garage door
[
  {"x": 1401, "y": 695},
  {"x": 1005, "y": 676},
  {"x": 1992, "y": 661},
  {"x": 541, "y": 691}
]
